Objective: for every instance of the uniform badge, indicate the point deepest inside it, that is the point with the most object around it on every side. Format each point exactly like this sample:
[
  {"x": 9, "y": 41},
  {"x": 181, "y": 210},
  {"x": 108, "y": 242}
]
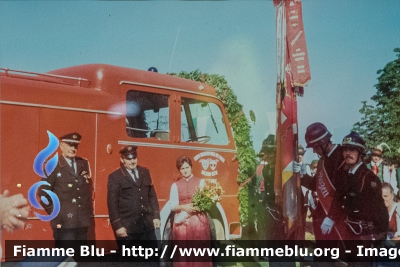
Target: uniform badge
[
  {"x": 86, "y": 175},
  {"x": 58, "y": 225},
  {"x": 69, "y": 185},
  {"x": 373, "y": 184},
  {"x": 69, "y": 215},
  {"x": 73, "y": 200},
  {"x": 74, "y": 136},
  {"x": 347, "y": 139},
  {"x": 129, "y": 148},
  {"x": 59, "y": 174}
]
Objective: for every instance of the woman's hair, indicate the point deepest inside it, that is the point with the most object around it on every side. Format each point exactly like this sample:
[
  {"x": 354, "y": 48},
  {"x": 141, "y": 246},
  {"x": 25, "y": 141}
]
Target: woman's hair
[
  {"x": 388, "y": 186},
  {"x": 182, "y": 160}
]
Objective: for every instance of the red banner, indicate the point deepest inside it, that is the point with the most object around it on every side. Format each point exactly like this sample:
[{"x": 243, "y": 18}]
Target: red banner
[
  {"x": 296, "y": 41},
  {"x": 286, "y": 183},
  {"x": 287, "y": 127},
  {"x": 293, "y": 61}
]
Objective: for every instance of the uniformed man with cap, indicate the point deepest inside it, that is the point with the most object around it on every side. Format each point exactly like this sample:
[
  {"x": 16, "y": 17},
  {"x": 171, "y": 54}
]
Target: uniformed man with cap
[
  {"x": 358, "y": 198},
  {"x": 132, "y": 200},
  {"x": 71, "y": 182}
]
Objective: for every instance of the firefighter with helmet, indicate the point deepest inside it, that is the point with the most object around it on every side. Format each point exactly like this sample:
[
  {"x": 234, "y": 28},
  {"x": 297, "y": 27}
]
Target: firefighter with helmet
[
  {"x": 358, "y": 199},
  {"x": 331, "y": 156}
]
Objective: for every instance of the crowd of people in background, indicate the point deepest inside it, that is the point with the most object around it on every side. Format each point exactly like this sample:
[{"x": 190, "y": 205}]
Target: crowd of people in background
[
  {"x": 356, "y": 176},
  {"x": 388, "y": 172},
  {"x": 386, "y": 169}
]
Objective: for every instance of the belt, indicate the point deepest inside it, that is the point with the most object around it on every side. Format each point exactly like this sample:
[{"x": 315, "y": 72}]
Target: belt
[
  {"x": 274, "y": 213},
  {"x": 362, "y": 225}
]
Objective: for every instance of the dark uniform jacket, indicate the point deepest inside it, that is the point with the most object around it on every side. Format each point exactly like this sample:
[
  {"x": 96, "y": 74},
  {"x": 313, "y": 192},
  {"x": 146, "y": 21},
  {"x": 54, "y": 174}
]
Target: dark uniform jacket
[
  {"x": 273, "y": 224},
  {"x": 358, "y": 198},
  {"x": 131, "y": 204},
  {"x": 331, "y": 164},
  {"x": 74, "y": 190},
  {"x": 269, "y": 174}
]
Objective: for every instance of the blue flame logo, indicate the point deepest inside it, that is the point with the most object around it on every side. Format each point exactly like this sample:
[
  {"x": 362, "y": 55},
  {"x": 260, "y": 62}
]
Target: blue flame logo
[
  {"x": 43, "y": 167},
  {"x": 42, "y": 156}
]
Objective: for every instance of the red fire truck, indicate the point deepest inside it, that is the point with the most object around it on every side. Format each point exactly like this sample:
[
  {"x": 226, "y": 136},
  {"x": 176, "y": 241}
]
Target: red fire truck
[{"x": 110, "y": 107}]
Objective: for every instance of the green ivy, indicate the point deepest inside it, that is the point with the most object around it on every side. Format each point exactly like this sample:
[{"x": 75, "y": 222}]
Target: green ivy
[{"x": 241, "y": 129}]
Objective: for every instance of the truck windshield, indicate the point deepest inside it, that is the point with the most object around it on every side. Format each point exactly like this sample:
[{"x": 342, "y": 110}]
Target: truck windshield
[{"x": 202, "y": 122}]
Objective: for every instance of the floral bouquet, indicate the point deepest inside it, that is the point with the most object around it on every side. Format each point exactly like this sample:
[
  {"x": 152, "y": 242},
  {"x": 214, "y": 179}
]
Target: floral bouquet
[{"x": 206, "y": 196}]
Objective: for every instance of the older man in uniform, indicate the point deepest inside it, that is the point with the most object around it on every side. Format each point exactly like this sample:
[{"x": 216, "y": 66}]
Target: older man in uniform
[
  {"x": 71, "y": 182},
  {"x": 358, "y": 198},
  {"x": 132, "y": 200}
]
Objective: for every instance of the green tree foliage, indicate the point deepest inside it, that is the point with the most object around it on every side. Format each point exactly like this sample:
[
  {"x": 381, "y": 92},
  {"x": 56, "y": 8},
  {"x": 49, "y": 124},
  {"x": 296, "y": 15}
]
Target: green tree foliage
[
  {"x": 382, "y": 122},
  {"x": 241, "y": 129}
]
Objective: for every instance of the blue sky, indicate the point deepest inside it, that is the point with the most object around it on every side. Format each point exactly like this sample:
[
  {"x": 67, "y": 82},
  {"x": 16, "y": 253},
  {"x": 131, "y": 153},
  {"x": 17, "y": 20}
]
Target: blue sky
[{"x": 348, "y": 41}]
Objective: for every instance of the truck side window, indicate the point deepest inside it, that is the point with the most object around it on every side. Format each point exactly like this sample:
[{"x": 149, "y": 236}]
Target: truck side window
[
  {"x": 147, "y": 115},
  {"x": 202, "y": 122}
]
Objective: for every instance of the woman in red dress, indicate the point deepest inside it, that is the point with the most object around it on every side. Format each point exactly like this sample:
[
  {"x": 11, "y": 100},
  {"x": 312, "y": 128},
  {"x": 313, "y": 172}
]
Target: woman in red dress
[{"x": 189, "y": 224}]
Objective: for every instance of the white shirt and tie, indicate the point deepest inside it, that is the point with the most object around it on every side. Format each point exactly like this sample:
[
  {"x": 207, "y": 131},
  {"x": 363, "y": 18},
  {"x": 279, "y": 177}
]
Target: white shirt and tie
[
  {"x": 134, "y": 174},
  {"x": 72, "y": 163}
]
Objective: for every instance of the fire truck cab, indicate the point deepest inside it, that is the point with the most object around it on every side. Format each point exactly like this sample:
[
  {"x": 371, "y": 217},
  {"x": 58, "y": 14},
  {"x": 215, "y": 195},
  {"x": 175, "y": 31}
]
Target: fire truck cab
[{"x": 110, "y": 106}]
